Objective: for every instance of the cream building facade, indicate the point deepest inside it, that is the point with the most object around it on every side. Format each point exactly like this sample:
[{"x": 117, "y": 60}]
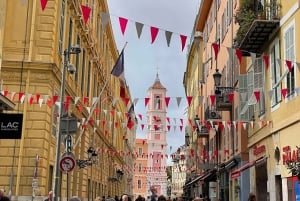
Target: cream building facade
[{"x": 32, "y": 61}]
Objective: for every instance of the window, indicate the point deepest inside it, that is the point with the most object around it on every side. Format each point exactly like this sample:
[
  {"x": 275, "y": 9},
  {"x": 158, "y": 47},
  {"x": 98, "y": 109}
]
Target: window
[
  {"x": 77, "y": 60},
  {"x": 61, "y": 26},
  {"x": 88, "y": 80},
  {"x": 259, "y": 83},
  {"x": 157, "y": 103},
  {"x": 50, "y": 176},
  {"x": 139, "y": 184},
  {"x": 275, "y": 74},
  {"x": 289, "y": 51},
  {"x": 140, "y": 167},
  {"x": 140, "y": 151}
]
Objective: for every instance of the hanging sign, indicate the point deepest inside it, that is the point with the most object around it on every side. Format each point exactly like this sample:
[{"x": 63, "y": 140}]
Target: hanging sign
[{"x": 11, "y": 126}]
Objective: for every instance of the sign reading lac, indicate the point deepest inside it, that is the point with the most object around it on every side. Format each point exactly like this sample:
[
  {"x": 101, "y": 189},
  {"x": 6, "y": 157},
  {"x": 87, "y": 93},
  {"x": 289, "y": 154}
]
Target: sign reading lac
[{"x": 11, "y": 126}]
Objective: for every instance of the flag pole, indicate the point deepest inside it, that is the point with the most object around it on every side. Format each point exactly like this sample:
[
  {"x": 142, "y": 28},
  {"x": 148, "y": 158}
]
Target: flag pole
[{"x": 95, "y": 104}]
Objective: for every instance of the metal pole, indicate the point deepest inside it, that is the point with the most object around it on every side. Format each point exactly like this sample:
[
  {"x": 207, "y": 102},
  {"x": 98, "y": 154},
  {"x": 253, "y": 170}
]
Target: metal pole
[{"x": 57, "y": 172}]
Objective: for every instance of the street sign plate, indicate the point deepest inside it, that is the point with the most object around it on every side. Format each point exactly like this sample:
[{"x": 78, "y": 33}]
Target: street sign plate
[{"x": 67, "y": 163}]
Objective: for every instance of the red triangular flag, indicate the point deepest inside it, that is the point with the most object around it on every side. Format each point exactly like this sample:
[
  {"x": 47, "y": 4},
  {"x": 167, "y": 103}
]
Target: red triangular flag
[
  {"x": 96, "y": 111},
  {"x": 189, "y": 99},
  {"x": 116, "y": 124},
  {"x": 267, "y": 61},
  {"x": 146, "y": 101},
  {"x": 43, "y": 4},
  {"x": 257, "y": 95},
  {"x": 216, "y": 48},
  {"x": 212, "y": 99},
  {"x": 68, "y": 99},
  {"x": 103, "y": 123},
  {"x": 5, "y": 92},
  {"x": 239, "y": 54},
  {"x": 167, "y": 100},
  {"x": 122, "y": 91},
  {"x": 31, "y": 100},
  {"x": 289, "y": 65},
  {"x": 112, "y": 112},
  {"x": 80, "y": 108},
  {"x": 181, "y": 121},
  {"x": 85, "y": 100},
  {"x": 183, "y": 40},
  {"x": 284, "y": 92},
  {"x": 180, "y": 127},
  {"x": 140, "y": 116},
  {"x": 55, "y": 99},
  {"x": 20, "y": 95},
  {"x": 142, "y": 126},
  {"x": 154, "y": 32},
  {"x": 38, "y": 97},
  {"x": 168, "y": 119},
  {"x": 123, "y": 24},
  {"x": 230, "y": 96},
  {"x": 168, "y": 127},
  {"x": 85, "y": 12},
  {"x": 126, "y": 100}
]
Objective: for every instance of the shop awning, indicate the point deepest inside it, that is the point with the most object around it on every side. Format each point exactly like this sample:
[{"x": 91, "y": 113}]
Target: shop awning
[
  {"x": 236, "y": 173},
  {"x": 5, "y": 103},
  {"x": 199, "y": 177}
]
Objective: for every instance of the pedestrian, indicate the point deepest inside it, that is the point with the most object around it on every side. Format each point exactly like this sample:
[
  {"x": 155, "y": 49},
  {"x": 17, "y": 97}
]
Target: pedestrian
[
  {"x": 124, "y": 197},
  {"x": 252, "y": 197},
  {"x": 161, "y": 198},
  {"x": 198, "y": 198},
  {"x": 3, "y": 197},
  {"x": 97, "y": 198},
  {"x": 50, "y": 196},
  {"x": 75, "y": 198}
]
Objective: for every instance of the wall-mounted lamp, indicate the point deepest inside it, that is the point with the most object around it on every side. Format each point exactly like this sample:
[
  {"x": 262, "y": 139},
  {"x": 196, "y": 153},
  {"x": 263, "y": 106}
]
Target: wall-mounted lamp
[
  {"x": 119, "y": 176},
  {"x": 217, "y": 78},
  {"x": 92, "y": 157},
  {"x": 187, "y": 136}
]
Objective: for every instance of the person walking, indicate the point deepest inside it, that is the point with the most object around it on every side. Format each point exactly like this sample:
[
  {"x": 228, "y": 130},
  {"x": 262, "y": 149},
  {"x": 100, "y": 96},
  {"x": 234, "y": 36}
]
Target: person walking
[
  {"x": 3, "y": 197},
  {"x": 50, "y": 196},
  {"x": 252, "y": 197}
]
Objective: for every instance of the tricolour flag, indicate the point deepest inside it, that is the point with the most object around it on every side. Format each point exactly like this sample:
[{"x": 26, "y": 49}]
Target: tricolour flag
[{"x": 118, "y": 69}]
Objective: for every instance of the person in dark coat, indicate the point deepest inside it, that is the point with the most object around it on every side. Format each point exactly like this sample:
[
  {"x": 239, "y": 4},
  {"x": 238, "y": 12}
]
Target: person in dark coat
[{"x": 3, "y": 197}]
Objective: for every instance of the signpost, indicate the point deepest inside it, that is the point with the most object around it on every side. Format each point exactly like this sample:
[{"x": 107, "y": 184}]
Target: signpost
[{"x": 67, "y": 163}]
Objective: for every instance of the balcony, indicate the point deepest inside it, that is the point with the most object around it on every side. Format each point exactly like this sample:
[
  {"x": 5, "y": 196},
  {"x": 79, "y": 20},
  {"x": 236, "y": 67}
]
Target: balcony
[
  {"x": 223, "y": 102},
  {"x": 257, "y": 26}
]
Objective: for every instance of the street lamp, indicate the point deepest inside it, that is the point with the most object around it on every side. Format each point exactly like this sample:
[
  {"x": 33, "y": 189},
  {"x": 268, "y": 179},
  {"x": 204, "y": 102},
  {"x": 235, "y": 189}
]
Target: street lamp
[
  {"x": 217, "y": 78},
  {"x": 117, "y": 178},
  {"x": 92, "y": 157},
  {"x": 71, "y": 69}
]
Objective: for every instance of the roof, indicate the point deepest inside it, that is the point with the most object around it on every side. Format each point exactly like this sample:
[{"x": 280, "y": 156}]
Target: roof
[{"x": 157, "y": 84}]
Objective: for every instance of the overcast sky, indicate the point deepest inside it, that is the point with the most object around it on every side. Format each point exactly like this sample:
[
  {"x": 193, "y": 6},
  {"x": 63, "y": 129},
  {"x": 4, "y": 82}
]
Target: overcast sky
[{"x": 143, "y": 59}]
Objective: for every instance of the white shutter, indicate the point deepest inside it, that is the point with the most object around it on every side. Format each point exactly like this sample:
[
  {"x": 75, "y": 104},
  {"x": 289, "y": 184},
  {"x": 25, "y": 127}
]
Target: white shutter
[{"x": 243, "y": 106}]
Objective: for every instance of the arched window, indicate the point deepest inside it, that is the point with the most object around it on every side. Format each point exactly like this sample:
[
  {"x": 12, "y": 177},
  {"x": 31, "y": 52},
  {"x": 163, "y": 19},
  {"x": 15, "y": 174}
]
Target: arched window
[{"x": 157, "y": 103}]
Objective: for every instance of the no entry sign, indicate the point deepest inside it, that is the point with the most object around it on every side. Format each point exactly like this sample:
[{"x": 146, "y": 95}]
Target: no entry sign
[{"x": 67, "y": 163}]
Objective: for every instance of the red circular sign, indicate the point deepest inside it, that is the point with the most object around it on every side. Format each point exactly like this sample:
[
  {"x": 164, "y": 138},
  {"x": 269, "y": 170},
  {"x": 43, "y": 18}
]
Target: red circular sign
[{"x": 67, "y": 164}]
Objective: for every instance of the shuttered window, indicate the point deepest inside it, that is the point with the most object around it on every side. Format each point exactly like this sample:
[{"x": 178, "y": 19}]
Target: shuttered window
[
  {"x": 289, "y": 51},
  {"x": 259, "y": 83},
  {"x": 275, "y": 74}
]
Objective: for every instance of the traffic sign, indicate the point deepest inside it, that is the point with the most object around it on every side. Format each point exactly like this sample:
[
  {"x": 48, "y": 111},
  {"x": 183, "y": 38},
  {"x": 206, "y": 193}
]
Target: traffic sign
[{"x": 67, "y": 163}]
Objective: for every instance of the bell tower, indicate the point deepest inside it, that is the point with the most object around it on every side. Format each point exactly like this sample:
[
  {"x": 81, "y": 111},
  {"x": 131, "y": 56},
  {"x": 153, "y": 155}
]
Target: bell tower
[{"x": 156, "y": 138}]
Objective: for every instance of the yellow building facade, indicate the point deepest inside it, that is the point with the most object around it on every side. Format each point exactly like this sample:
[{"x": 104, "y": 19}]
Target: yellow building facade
[
  {"x": 32, "y": 64},
  {"x": 273, "y": 137}
]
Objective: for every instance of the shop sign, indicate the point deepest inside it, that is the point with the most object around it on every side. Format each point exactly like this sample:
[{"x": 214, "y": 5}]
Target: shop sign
[
  {"x": 259, "y": 149},
  {"x": 289, "y": 155},
  {"x": 11, "y": 126}
]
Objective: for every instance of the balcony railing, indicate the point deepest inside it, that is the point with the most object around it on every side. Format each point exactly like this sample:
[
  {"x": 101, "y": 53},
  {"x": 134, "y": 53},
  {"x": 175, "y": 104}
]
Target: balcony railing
[
  {"x": 223, "y": 102},
  {"x": 257, "y": 25}
]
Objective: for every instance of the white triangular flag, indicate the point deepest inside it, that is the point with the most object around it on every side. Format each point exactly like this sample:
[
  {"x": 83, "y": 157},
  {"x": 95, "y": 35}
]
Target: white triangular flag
[
  {"x": 41, "y": 102},
  {"x": 76, "y": 100}
]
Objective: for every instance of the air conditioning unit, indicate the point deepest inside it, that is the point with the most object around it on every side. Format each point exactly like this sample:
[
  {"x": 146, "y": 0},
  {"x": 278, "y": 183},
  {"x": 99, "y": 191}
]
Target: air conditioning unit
[{"x": 214, "y": 115}]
